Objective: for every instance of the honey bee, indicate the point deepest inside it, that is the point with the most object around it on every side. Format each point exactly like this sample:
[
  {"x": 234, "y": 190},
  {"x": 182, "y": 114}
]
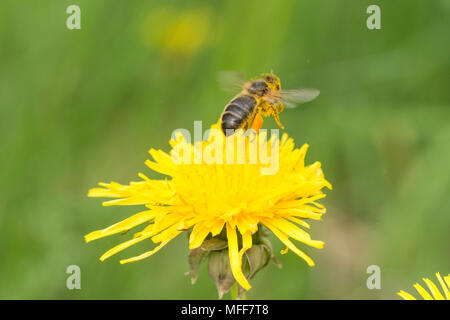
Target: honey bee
[{"x": 259, "y": 97}]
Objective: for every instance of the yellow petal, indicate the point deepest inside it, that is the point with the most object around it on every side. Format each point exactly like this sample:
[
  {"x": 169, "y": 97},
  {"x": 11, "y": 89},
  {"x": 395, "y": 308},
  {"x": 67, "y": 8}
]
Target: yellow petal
[
  {"x": 123, "y": 246},
  {"x": 434, "y": 290},
  {"x": 423, "y": 292},
  {"x": 293, "y": 231},
  {"x": 149, "y": 253},
  {"x": 102, "y": 193},
  {"x": 198, "y": 234},
  {"x": 246, "y": 243},
  {"x": 405, "y": 295},
  {"x": 306, "y": 214},
  {"x": 130, "y": 201},
  {"x": 235, "y": 261},
  {"x": 299, "y": 221},
  {"x": 165, "y": 226},
  {"x": 288, "y": 243},
  {"x": 120, "y": 226},
  {"x": 447, "y": 280},
  {"x": 217, "y": 228},
  {"x": 444, "y": 286}
]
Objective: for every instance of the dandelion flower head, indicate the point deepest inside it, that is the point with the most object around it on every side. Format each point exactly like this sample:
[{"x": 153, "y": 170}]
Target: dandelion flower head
[{"x": 210, "y": 200}]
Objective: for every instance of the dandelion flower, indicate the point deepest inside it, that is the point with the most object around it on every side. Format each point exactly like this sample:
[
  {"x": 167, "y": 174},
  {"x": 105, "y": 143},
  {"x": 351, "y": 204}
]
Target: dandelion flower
[
  {"x": 435, "y": 293},
  {"x": 175, "y": 32},
  {"x": 227, "y": 208}
]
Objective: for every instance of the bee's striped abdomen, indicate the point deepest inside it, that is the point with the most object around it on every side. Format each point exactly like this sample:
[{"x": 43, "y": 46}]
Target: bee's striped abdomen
[{"x": 236, "y": 113}]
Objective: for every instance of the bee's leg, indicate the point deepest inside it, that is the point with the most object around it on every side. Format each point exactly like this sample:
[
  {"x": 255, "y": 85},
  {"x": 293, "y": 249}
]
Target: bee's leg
[{"x": 276, "y": 116}]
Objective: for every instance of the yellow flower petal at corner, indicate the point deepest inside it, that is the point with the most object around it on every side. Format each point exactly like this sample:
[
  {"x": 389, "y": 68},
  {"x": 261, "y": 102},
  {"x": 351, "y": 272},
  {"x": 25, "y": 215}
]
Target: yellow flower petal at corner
[
  {"x": 444, "y": 286},
  {"x": 435, "y": 292},
  {"x": 405, "y": 295}
]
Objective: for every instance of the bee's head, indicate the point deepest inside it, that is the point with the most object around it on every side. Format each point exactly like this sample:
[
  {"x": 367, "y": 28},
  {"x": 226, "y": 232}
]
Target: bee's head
[
  {"x": 266, "y": 83},
  {"x": 272, "y": 81}
]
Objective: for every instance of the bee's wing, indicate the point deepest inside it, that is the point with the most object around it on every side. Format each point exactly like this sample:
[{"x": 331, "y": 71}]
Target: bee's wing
[
  {"x": 291, "y": 98},
  {"x": 231, "y": 80}
]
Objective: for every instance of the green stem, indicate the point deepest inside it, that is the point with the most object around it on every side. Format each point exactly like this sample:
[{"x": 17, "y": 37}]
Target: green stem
[{"x": 234, "y": 291}]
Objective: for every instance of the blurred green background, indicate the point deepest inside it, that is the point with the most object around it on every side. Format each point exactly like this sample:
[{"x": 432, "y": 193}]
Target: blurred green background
[{"x": 83, "y": 106}]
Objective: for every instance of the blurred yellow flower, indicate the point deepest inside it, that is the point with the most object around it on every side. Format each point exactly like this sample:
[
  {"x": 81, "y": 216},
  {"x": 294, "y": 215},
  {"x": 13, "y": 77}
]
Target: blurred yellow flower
[
  {"x": 176, "y": 32},
  {"x": 435, "y": 293},
  {"x": 229, "y": 199}
]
